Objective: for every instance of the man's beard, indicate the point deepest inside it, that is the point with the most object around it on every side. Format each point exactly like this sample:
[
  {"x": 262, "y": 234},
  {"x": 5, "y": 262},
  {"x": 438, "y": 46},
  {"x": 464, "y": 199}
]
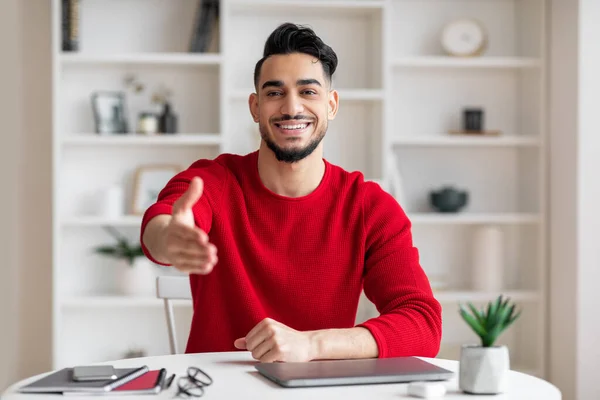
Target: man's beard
[{"x": 291, "y": 155}]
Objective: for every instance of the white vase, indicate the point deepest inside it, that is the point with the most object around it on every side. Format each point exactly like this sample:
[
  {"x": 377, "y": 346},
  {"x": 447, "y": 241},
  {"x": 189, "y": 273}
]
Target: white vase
[
  {"x": 138, "y": 279},
  {"x": 483, "y": 370},
  {"x": 111, "y": 202},
  {"x": 488, "y": 259}
]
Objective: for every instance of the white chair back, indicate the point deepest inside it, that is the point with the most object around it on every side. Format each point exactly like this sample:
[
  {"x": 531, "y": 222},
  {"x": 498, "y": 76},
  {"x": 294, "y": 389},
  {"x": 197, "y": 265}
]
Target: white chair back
[{"x": 171, "y": 288}]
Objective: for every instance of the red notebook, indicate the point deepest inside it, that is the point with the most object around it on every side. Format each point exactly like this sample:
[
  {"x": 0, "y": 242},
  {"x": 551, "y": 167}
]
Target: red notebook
[{"x": 149, "y": 383}]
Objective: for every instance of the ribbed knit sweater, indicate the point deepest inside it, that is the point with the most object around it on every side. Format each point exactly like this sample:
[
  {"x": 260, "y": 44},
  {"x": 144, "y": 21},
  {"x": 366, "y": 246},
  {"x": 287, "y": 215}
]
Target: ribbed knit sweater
[{"x": 303, "y": 261}]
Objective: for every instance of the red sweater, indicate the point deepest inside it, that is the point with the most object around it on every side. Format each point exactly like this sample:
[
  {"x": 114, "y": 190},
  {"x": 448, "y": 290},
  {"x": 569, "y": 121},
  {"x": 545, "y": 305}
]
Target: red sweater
[{"x": 303, "y": 261}]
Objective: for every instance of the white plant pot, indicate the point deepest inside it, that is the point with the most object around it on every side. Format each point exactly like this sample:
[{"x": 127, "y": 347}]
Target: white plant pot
[
  {"x": 483, "y": 370},
  {"x": 138, "y": 279}
]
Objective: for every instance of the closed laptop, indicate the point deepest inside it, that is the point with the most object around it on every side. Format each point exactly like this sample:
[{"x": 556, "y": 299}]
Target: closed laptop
[{"x": 353, "y": 372}]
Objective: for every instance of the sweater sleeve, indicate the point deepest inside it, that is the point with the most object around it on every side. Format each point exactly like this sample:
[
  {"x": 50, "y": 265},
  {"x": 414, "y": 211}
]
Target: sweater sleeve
[
  {"x": 213, "y": 176},
  {"x": 410, "y": 320}
]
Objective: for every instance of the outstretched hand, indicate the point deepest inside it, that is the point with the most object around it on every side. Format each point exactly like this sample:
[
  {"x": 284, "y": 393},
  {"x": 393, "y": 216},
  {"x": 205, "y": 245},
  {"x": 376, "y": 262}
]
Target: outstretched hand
[
  {"x": 271, "y": 341},
  {"x": 186, "y": 245}
]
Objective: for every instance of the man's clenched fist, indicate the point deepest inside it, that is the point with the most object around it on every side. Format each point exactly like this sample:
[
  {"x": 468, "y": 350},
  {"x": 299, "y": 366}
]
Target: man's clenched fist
[{"x": 271, "y": 341}]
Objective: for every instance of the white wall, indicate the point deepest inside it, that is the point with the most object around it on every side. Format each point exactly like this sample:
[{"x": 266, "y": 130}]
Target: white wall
[
  {"x": 588, "y": 317},
  {"x": 563, "y": 195},
  {"x": 11, "y": 127},
  {"x": 575, "y": 197},
  {"x": 35, "y": 185},
  {"x": 25, "y": 171}
]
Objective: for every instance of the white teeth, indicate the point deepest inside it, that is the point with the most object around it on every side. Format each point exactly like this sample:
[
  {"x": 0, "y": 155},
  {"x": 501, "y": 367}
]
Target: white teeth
[{"x": 301, "y": 126}]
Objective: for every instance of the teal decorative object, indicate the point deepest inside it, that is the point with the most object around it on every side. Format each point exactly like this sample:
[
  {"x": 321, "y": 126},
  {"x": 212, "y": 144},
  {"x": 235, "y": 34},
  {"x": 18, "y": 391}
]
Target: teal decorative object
[{"x": 449, "y": 199}]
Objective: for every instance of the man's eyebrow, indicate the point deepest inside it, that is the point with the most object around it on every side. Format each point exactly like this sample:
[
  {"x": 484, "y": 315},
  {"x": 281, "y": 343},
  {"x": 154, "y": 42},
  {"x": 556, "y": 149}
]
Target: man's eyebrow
[
  {"x": 302, "y": 82},
  {"x": 272, "y": 83},
  {"x": 299, "y": 82}
]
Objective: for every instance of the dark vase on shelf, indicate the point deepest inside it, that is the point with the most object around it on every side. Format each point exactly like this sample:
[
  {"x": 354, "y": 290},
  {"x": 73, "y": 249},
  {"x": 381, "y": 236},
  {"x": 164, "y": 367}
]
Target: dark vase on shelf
[
  {"x": 449, "y": 199},
  {"x": 473, "y": 120},
  {"x": 168, "y": 120}
]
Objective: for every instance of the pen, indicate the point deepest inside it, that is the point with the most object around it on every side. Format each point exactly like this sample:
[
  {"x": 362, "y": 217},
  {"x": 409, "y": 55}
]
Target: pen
[{"x": 170, "y": 381}]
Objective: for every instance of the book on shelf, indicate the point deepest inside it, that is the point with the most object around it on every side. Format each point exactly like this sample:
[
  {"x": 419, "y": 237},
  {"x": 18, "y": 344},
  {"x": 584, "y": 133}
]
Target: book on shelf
[
  {"x": 205, "y": 28},
  {"x": 70, "y": 25}
]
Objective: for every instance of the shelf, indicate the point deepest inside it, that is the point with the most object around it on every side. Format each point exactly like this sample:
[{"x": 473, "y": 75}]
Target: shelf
[
  {"x": 472, "y": 218},
  {"x": 360, "y": 94},
  {"x": 416, "y": 219},
  {"x": 79, "y": 302},
  {"x": 446, "y": 296},
  {"x": 125, "y": 301},
  {"x": 242, "y": 5},
  {"x": 93, "y": 221},
  {"x": 137, "y": 140},
  {"x": 475, "y": 62},
  {"x": 142, "y": 58},
  {"x": 465, "y": 141},
  {"x": 344, "y": 94}
]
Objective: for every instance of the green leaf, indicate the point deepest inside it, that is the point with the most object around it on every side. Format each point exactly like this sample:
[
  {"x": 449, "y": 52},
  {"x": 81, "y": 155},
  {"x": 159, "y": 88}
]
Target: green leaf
[
  {"x": 513, "y": 319},
  {"x": 107, "y": 250},
  {"x": 473, "y": 323},
  {"x": 477, "y": 314},
  {"x": 503, "y": 314},
  {"x": 490, "y": 322},
  {"x": 122, "y": 249}
]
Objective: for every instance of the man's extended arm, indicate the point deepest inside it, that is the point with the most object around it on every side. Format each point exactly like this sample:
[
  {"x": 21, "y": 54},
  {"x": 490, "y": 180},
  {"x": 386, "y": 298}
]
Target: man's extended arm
[
  {"x": 153, "y": 237},
  {"x": 176, "y": 240}
]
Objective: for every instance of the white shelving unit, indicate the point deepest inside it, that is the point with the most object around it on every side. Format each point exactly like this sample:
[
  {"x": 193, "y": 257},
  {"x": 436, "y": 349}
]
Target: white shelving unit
[
  {"x": 145, "y": 59},
  {"x": 142, "y": 140},
  {"x": 400, "y": 96}
]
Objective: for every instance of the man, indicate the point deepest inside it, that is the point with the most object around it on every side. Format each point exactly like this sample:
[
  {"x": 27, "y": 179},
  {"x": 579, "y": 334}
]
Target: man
[{"x": 297, "y": 237}]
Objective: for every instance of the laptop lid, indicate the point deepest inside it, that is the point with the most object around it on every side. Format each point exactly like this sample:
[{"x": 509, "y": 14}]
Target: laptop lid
[{"x": 352, "y": 372}]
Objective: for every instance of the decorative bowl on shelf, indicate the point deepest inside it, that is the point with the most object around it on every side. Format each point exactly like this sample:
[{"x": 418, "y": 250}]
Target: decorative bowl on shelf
[{"x": 449, "y": 199}]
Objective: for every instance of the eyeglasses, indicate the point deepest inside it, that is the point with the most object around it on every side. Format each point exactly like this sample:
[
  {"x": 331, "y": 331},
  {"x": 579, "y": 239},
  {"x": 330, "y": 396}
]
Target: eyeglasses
[{"x": 194, "y": 383}]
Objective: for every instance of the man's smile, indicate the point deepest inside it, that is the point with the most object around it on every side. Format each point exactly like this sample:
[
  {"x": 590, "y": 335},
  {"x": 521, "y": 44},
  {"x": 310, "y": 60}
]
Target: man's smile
[{"x": 292, "y": 128}]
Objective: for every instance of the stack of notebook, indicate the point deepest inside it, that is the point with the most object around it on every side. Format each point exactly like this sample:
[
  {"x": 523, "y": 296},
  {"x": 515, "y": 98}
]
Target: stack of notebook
[{"x": 128, "y": 381}]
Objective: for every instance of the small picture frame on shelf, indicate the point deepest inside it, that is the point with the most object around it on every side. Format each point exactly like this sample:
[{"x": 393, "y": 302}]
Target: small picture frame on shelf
[
  {"x": 149, "y": 180},
  {"x": 109, "y": 112}
]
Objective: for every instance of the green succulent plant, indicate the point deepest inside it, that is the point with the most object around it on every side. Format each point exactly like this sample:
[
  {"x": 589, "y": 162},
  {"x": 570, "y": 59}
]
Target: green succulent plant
[
  {"x": 489, "y": 323},
  {"x": 123, "y": 249}
]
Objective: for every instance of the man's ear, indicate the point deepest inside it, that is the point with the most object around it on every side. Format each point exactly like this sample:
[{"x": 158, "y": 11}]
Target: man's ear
[
  {"x": 333, "y": 104},
  {"x": 253, "y": 106}
]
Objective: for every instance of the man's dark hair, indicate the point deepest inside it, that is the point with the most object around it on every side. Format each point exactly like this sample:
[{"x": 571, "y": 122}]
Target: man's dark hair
[{"x": 291, "y": 38}]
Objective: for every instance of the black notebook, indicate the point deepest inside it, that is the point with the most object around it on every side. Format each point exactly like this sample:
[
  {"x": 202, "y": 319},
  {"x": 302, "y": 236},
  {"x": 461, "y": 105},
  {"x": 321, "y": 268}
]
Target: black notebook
[{"x": 62, "y": 381}]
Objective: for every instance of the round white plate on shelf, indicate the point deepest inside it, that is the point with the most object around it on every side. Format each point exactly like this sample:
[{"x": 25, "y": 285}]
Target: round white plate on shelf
[{"x": 464, "y": 37}]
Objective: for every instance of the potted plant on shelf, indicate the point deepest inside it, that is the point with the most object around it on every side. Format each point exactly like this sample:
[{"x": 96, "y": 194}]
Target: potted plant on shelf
[
  {"x": 484, "y": 368},
  {"x": 137, "y": 274}
]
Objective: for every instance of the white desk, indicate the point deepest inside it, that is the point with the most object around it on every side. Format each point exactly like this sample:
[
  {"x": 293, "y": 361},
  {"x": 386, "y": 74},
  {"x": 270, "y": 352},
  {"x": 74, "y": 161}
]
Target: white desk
[{"x": 235, "y": 377}]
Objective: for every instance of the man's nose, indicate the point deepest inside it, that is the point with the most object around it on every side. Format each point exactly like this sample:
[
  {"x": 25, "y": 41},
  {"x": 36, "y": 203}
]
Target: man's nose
[{"x": 292, "y": 105}]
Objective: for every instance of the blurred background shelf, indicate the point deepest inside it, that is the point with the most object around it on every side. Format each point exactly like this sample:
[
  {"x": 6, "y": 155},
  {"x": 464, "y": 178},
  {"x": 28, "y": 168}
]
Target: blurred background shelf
[
  {"x": 467, "y": 62},
  {"x": 472, "y": 218},
  {"x": 142, "y": 140},
  {"x": 465, "y": 141},
  {"x": 116, "y": 301},
  {"x": 338, "y": 5},
  {"x": 447, "y": 296},
  {"x": 92, "y": 221},
  {"x": 141, "y": 58}
]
